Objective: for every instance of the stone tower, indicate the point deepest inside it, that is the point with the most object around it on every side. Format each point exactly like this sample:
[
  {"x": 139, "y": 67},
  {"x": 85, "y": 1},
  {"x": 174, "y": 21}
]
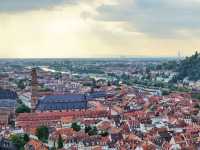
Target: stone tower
[{"x": 34, "y": 89}]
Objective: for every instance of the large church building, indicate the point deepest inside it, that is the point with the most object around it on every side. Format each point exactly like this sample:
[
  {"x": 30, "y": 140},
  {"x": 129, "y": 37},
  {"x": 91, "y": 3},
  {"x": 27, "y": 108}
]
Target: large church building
[
  {"x": 62, "y": 102},
  {"x": 55, "y": 102}
]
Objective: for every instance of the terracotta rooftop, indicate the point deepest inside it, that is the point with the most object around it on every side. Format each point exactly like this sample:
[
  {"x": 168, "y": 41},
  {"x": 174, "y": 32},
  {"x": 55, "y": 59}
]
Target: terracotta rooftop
[{"x": 37, "y": 145}]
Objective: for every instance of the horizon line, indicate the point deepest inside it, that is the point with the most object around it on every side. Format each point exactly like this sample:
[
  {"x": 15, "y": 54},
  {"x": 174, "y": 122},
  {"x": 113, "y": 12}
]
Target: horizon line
[{"x": 120, "y": 57}]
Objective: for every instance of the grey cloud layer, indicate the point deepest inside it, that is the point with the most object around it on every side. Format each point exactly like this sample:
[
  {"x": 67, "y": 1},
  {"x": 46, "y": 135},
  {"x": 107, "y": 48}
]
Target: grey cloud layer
[
  {"x": 159, "y": 18},
  {"x": 26, "y": 5},
  {"x": 163, "y": 18}
]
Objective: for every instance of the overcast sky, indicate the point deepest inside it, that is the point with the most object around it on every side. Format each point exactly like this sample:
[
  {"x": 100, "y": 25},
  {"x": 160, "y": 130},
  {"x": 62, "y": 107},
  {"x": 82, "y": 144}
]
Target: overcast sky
[{"x": 98, "y": 28}]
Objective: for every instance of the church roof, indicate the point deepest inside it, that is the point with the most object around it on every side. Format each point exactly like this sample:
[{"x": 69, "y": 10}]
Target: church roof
[
  {"x": 7, "y": 94},
  {"x": 67, "y": 101},
  {"x": 62, "y": 102},
  {"x": 63, "y": 98},
  {"x": 98, "y": 94},
  {"x": 8, "y": 103}
]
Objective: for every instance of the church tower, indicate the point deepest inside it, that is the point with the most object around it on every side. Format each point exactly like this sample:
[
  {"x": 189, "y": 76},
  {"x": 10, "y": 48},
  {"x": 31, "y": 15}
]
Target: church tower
[{"x": 34, "y": 89}]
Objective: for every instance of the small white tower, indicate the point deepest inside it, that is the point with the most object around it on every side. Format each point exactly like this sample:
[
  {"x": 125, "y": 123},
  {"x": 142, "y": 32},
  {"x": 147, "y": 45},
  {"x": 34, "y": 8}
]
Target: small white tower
[{"x": 179, "y": 55}]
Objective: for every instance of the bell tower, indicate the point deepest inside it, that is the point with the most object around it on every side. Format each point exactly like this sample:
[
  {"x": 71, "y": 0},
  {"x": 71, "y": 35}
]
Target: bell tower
[{"x": 34, "y": 89}]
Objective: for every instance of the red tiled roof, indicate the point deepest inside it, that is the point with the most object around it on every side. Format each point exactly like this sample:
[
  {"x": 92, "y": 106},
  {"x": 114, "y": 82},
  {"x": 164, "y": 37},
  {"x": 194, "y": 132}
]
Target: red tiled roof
[
  {"x": 57, "y": 115},
  {"x": 36, "y": 144},
  {"x": 27, "y": 120},
  {"x": 136, "y": 114}
]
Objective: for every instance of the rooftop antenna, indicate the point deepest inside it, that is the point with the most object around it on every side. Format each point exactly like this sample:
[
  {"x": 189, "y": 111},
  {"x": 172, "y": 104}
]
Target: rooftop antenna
[{"x": 179, "y": 55}]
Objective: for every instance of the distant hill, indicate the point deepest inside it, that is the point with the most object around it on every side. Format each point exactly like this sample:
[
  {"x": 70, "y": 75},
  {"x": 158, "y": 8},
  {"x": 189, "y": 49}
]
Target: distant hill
[
  {"x": 186, "y": 68},
  {"x": 189, "y": 67}
]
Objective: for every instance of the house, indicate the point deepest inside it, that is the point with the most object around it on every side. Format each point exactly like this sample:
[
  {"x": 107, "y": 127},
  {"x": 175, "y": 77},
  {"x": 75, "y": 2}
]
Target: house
[
  {"x": 6, "y": 144},
  {"x": 35, "y": 145},
  {"x": 4, "y": 119},
  {"x": 7, "y": 106},
  {"x": 53, "y": 119}
]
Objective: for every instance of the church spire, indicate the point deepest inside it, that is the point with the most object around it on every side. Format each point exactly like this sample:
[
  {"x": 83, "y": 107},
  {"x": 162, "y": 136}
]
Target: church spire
[{"x": 34, "y": 89}]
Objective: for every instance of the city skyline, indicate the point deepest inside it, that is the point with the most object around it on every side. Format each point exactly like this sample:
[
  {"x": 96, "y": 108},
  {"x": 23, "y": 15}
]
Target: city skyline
[{"x": 98, "y": 28}]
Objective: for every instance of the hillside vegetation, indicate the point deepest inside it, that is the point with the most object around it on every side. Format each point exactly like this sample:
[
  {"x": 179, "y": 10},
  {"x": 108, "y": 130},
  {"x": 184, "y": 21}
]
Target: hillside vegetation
[{"x": 189, "y": 67}]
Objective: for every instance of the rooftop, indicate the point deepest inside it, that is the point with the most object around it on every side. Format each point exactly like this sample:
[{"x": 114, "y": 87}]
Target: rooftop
[
  {"x": 62, "y": 102},
  {"x": 7, "y": 94},
  {"x": 67, "y": 101},
  {"x": 63, "y": 98},
  {"x": 10, "y": 103}
]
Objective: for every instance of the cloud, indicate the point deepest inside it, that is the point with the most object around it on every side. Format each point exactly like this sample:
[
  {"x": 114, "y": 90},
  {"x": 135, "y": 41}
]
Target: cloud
[
  {"x": 98, "y": 28},
  {"x": 26, "y": 5},
  {"x": 158, "y": 18}
]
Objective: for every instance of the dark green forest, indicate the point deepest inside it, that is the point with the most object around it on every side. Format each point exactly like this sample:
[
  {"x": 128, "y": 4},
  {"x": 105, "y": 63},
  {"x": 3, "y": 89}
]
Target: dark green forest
[{"x": 188, "y": 67}]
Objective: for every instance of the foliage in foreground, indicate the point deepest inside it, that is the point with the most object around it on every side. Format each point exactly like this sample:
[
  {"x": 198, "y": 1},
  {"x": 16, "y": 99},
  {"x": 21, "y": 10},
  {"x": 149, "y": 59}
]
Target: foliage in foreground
[
  {"x": 19, "y": 140},
  {"x": 42, "y": 133},
  {"x": 23, "y": 109}
]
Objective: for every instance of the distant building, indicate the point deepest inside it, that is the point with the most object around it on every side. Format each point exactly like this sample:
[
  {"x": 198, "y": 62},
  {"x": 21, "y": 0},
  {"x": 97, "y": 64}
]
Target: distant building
[
  {"x": 7, "y": 94},
  {"x": 67, "y": 101},
  {"x": 6, "y": 145},
  {"x": 35, "y": 145},
  {"x": 62, "y": 102},
  {"x": 29, "y": 121},
  {"x": 7, "y": 111},
  {"x": 7, "y": 106}
]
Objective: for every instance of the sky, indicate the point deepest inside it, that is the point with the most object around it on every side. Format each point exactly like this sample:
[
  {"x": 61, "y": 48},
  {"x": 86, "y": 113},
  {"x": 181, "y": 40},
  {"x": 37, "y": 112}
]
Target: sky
[{"x": 98, "y": 28}]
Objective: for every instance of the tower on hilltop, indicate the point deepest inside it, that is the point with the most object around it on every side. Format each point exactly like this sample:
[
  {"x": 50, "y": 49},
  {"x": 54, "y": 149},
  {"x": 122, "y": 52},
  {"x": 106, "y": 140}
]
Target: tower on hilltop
[
  {"x": 34, "y": 89},
  {"x": 179, "y": 55}
]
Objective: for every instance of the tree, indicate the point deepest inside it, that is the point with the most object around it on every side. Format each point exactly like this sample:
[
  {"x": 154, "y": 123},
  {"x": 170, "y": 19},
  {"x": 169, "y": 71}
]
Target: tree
[
  {"x": 104, "y": 133},
  {"x": 58, "y": 75},
  {"x": 76, "y": 127},
  {"x": 87, "y": 129},
  {"x": 189, "y": 68},
  {"x": 196, "y": 96},
  {"x": 22, "y": 109},
  {"x": 196, "y": 54},
  {"x": 26, "y": 138},
  {"x": 108, "y": 83},
  {"x": 21, "y": 84},
  {"x": 94, "y": 83},
  {"x": 165, "y": 92},
  {"x": 42, "y": 133},
  {"x": 19, "y": 140},
  {"x": 60, "y": 141},
  {"x": 53, "y": 148},
  {"x": 93, "y": 131}
]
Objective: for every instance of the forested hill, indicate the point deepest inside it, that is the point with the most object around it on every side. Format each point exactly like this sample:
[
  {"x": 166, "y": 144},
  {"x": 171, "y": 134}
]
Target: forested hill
[
  {"x": 186, "y": 68},
  {"x": 189, "y": 67}
]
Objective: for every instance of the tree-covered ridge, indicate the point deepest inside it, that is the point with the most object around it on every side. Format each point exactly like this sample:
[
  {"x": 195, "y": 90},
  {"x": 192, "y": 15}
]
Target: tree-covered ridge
[
  {"x": 169, "y": 65},
  {"x": 189, "y": 68}
]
